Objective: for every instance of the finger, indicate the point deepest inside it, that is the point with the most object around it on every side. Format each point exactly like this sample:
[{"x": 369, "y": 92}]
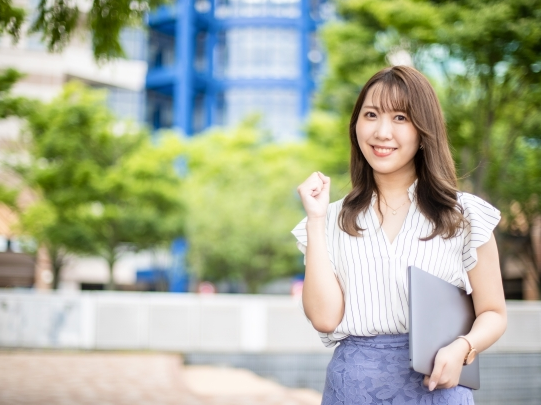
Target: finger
[
  {"x": 310, "y": 188},
  {"x": 316, "y": 190},
  {"x": 314, "y": 176},
  {"x": 436, "y": 375},
  {"x": 326, "y": 180},
  {"x": 323, "y": 177}
]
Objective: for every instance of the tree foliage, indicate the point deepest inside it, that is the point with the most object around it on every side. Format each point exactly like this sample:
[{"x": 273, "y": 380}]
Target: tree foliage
[
  {"x": 58, "y": 20},
  {"x": 483, "y": 58},
  {"x": 102, "y": 187},
  {"x": 11, "y": 19},
  {"x": 12, "y": 106},
  {"x": 241, "y": 199}
]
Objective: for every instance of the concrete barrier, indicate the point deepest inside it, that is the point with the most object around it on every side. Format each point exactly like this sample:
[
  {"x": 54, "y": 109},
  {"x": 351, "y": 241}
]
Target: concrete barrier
[{"x": 191, "y": 323}]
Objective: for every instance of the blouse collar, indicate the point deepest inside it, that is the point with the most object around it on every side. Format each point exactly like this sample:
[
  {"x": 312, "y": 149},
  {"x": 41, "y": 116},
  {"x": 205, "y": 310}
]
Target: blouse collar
[{"x": 411, "y": 191}]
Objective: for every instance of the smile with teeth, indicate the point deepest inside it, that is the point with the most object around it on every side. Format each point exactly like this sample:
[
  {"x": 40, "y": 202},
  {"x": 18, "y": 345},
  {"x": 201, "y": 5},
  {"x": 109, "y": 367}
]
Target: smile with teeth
[{"x": 383, "y": 150}]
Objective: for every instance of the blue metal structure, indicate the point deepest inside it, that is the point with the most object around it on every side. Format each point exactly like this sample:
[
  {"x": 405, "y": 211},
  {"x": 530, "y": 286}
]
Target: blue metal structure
[
  {"x": 175, "y": 278},
  {"x": 178, "y": 275},
  {"x": 212, "y": 62}
]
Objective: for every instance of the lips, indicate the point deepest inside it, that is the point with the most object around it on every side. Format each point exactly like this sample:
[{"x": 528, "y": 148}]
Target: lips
[{"x": 382, "y": 151}]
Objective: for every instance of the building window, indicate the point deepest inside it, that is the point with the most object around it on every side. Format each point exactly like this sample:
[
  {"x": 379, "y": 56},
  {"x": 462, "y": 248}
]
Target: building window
[
  {"x": 219, "y": 110},
  {"x": 127, "y": 104},
  {"x": 134, "y": 42},
  {"x": 202, "y": 6},
  {"x": 124, "y": 103},
  {"x": 315, "y": 56},
  {"x": 278, "y": 109},
  {"x": 159, "y": 110},
  {"x": 198, "y": 120},
  {"x": 258, "y": 8},
  {"x": 245, "y": 53},
  {"x": 161, "y": 50},
  {"x": 200, "y": 60}
]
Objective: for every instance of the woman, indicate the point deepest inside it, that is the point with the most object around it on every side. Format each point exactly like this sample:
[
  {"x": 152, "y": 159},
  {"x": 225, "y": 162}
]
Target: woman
[{"x": 404, "y": 209}]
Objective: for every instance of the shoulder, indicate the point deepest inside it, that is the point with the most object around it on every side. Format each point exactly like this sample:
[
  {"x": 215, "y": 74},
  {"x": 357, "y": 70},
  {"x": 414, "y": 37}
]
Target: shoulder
[
  {"x": 479, "y": 214},
  {"x": 473, "y": 204}
]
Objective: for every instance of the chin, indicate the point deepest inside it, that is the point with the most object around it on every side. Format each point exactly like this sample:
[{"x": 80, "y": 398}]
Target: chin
[
  {"x": 384, "y": 169},
  {"x": 389, "y": 169}
]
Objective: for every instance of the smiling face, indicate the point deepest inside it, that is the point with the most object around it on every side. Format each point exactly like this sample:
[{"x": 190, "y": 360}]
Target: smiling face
[{"x": 385, "y": 134}]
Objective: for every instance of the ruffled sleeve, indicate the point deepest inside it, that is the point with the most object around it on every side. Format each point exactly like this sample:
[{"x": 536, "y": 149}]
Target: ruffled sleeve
[
  {"x": 331, "y": 233},
  {"x": 300, "y": 234},
  {"x": 481, "y": 219}
]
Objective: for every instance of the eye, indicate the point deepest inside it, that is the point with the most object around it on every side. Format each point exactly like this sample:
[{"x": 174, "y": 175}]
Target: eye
[
  {"x": 370, "y": 114},
  {"x": 401, "y": 117}
]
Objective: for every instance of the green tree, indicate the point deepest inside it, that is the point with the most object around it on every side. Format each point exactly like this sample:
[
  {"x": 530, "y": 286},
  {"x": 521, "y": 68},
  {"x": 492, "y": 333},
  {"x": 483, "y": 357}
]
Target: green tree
[
  {"x": 11, "y": 19},
  {"x": 11, "y": 106},
  {"x": 241, "y": 199},
  {"x": 483, "y": 57},
  {"x": 58, "y": 20},
  {"x": 102, "y": 187}
]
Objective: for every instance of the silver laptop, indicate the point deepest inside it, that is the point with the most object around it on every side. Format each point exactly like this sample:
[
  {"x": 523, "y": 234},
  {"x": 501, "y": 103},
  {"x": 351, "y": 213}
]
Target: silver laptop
[{"x": 438, "y": 313}]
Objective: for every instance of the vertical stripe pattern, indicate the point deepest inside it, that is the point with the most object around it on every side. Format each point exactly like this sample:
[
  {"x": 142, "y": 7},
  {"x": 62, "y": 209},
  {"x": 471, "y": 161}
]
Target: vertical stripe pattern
[{"x": 372, "y": 272}]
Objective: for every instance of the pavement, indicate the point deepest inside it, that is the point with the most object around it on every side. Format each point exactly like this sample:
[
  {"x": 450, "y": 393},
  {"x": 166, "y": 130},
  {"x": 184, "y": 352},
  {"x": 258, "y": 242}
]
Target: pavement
[{"x": 112, "y": 378}]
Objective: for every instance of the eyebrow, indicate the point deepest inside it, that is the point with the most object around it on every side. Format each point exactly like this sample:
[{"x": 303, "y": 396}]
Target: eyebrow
[{"x": 378, "y": 109}]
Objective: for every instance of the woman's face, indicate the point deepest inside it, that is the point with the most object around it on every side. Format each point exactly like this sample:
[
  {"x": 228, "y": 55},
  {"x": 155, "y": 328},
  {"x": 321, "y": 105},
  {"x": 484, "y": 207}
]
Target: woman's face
[{"x": 388, "y": 140}]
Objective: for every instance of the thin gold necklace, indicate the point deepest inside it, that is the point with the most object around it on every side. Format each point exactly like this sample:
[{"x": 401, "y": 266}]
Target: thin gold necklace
[{"x": 393, "y": 210}]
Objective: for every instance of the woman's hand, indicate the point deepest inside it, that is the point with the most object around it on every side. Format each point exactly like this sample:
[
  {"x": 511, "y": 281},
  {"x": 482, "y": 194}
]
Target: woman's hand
[
  {"x": 314, "y": 194},
  {"x": 447, "y": 366}
]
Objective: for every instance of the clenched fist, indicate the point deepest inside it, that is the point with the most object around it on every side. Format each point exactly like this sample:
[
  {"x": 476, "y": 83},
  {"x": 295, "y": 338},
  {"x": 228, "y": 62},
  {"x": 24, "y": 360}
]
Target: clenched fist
[{"x": 314, "y": 194}]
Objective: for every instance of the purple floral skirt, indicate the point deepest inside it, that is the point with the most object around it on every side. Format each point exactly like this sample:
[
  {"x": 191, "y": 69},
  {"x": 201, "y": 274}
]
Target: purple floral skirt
[{"x": 375, "y": 370}]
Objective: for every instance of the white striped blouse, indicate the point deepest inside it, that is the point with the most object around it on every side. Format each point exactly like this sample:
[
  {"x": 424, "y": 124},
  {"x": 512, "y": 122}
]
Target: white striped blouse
[{"x": 372, "y": 272}]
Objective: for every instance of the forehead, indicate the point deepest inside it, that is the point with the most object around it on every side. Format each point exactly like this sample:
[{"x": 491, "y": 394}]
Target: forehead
[{"x": 387, "y": 97}]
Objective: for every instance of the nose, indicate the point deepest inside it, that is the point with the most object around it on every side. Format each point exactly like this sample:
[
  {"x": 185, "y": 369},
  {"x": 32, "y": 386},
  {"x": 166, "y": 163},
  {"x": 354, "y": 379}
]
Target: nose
[{"x": 384, "y": 129}]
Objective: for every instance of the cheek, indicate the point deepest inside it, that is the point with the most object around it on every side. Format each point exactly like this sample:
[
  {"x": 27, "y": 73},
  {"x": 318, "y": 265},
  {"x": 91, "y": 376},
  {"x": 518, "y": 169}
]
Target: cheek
[
  {"x": 362, "y": 134},
  {"x": 363, "y": 146},
  {"x": 411, "y": 140}
]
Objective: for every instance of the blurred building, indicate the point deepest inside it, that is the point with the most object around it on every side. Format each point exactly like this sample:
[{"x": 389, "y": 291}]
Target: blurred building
[
  {"x": 45, "y": 74},
  {"x": 215, "y": 62}
]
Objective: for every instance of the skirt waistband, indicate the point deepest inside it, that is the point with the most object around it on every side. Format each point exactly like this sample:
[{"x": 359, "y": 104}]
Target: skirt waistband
[{"x": 379, "y": 341}]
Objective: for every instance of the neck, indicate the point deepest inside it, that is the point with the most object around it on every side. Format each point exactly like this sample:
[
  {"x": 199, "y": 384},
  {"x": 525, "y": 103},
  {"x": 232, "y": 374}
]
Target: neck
[{"x": 392, "y": 185}]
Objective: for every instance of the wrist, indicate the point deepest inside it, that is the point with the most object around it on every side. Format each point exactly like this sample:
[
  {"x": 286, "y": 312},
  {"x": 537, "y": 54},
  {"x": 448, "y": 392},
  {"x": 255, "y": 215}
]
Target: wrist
[
  {"x": 315, "y": 226},
  {"x": 316, "y": 221},
  {"x": 462, "y": 345},
  {"x": 470, "y": 353}
]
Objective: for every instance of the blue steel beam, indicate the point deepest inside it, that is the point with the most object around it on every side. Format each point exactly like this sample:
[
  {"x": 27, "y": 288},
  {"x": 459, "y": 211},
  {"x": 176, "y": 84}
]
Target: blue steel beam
[
  {"x": 210, "y": 97},
  {"x": 184, "y": 46},
  {"x": 304, "y": 67},
  {"x": 163, "y": 15},
  {"x": 160, "y": 76}
]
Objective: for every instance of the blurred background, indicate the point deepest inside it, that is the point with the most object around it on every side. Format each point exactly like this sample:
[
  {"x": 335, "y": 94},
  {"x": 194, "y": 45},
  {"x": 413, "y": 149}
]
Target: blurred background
[{"x": 150, "y": 153}]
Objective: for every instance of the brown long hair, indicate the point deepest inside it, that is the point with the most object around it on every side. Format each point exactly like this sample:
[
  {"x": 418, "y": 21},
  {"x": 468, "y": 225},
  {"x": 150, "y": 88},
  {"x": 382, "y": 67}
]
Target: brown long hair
[{"x": 402, "y": 88}]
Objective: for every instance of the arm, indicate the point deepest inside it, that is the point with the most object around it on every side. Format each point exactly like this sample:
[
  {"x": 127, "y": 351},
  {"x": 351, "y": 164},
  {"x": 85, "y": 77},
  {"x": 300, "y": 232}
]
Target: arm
[
  {"x": 490, "y": 323},
  {"x": 322, "y": 296}
]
